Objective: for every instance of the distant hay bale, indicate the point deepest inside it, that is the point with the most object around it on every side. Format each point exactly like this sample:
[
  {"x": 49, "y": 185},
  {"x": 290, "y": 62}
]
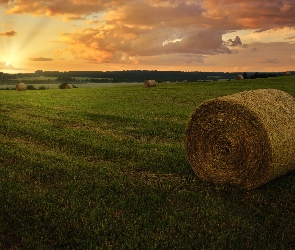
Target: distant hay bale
[
  {"x": 20, "y": 87},
  {"x": 287, "y": 73},
  {"x": 245, "y": 139},
  {"x": 185, "y": 81},
  {"x": 150, "y": 83},
  {"x": 239, "y": 77},
  {"x": 68, "y": 86}
]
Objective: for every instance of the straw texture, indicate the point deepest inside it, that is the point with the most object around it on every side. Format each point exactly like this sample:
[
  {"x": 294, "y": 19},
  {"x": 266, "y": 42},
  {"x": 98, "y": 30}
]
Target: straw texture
[
  {"x": 150, "y": 83},
  {"x": 68, "y": 86},
  {"x": 245, "y": 139},
  {"x": 20, "y": 86}
]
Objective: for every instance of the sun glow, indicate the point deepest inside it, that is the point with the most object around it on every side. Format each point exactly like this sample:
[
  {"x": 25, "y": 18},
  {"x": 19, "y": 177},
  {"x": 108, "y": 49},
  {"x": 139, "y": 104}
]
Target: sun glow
[{"x": 7, "y": 63}]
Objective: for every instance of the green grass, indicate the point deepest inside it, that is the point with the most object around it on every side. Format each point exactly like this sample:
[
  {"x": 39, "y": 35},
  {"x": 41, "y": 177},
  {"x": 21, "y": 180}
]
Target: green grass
[
  {"x": 105, "y": 168},
  {"x": 78, "y": 84}
]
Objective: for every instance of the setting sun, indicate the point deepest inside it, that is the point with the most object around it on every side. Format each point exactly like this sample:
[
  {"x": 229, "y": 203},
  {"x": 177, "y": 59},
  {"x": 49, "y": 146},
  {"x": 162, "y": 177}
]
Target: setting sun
[{"x": 7, "y": 63}]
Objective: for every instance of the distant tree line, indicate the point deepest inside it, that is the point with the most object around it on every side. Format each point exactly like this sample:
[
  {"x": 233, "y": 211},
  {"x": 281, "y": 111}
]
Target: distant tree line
[
  {"x": 130, "y": 76},
  {"x": 260, "y": 75},
  {"x": 141, "y": 75},
  {"x": 159, "y": 76},
  {"x": 3, "y": 77},
  {"x": 100, "y": 80}
]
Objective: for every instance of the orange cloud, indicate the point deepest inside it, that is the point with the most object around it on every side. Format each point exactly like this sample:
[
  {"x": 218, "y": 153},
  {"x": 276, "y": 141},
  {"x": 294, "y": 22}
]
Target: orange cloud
[
  {"x": 141, "y": 30},
  {"x": 70, "y": 8}
]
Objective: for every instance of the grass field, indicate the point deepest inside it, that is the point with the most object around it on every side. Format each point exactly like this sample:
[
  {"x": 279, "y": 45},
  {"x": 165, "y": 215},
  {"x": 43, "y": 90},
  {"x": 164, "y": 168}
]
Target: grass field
[
  {"x": 105, "y": 168},
  {"x": 79, "y": 85}
]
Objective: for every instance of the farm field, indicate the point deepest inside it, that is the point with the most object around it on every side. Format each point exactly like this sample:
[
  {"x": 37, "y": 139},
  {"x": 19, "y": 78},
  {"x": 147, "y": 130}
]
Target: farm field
[
  {"x": 79, "y": 85},
  {"x": 106, "y": 168}
]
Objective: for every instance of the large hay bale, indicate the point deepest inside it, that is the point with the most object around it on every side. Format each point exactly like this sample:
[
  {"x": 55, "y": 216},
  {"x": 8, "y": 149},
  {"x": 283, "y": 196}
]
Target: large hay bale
[
  {"x": 287, "y": 73},
  {"x": 240, "y": 77},
  {"x": 20, "y": 87},
  {"x": 68, "y": 86},
  {"x": 150, "y": 83},
  {"x": 245, "y": 139}
]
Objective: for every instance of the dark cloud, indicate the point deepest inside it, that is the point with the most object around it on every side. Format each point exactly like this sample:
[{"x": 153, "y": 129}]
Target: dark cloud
[
  {"x": 252, "y": 14},
  {"x": 236, "y": 42},
  {"x": 9, "y": 33},
  {"x": 260, "y": 15},
  {"x": 261, "y": 30}
]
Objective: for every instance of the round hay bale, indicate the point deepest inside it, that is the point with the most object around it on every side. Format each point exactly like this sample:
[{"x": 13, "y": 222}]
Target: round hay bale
[
  {"x": 287, "y": 73},
  {"x": 20, "y": 87},
  {"x": 68, "y": 86},
  {"x": 245, "y": 139},
  {"x": 240, "y": 77},
  {"x": 150, "y": 83}
]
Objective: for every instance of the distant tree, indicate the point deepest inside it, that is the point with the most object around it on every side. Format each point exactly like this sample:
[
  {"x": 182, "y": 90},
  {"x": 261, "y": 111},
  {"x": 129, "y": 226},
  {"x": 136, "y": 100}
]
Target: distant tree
[
  {"x": 30, "y": 87},
  {"x": 262, "y": 75},
  {"x": 245, "y": 75}
]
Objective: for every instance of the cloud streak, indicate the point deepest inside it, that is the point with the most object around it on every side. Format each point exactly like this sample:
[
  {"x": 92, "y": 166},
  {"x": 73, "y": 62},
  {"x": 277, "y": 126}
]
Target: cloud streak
[
  {"x": 9, "y": 33},
  {"x": 40, "y": 59}
]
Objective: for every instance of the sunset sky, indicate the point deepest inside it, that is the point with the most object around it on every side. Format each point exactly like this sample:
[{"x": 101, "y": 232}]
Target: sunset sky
[{"x": 187, "y": 35}]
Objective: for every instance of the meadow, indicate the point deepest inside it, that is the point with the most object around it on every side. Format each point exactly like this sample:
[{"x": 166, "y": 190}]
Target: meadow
[
  {"x": 78, "y": 85},
  {"x": 106, "y": 168}
]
